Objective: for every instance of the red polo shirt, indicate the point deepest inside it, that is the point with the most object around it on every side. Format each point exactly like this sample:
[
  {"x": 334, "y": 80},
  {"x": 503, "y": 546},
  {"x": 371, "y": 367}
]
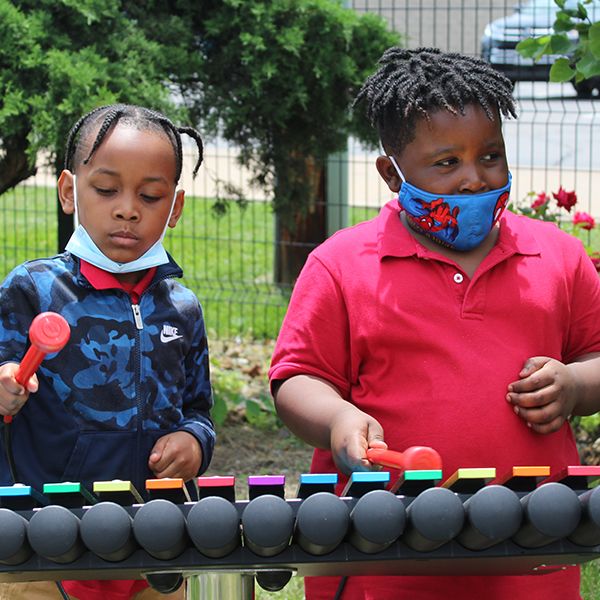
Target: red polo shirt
[
  {"x": 109, "y": 589},
  {"x": 410, "y": 339}
]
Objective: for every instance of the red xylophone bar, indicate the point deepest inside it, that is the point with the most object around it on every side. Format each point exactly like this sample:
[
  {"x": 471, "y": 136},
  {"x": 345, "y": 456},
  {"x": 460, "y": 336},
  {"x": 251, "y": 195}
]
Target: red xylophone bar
[{"x": 49, "y": 332}]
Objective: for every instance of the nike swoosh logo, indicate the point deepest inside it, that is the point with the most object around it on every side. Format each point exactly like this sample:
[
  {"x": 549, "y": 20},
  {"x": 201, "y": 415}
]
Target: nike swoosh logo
[{"x": 169, "y": 338}]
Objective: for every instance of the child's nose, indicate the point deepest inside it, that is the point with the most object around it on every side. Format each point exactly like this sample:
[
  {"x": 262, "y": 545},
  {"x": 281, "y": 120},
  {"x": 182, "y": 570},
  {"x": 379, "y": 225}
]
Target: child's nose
[
  {"x": 127, "y": 210},
  {"x": 472, "y": 182}
]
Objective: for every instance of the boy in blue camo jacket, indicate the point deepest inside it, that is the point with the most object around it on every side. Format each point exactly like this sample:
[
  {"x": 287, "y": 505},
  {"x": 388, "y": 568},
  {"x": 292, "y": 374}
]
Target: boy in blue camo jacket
[{"x": 129, "y": 396}]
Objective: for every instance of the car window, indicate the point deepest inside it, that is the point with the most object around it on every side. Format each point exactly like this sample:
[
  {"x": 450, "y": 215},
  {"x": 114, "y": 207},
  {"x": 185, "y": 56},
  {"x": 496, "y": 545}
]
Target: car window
[{"x": 544, "y": 7}]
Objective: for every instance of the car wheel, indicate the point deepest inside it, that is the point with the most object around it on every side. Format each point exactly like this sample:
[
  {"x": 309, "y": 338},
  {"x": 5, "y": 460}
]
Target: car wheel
[{"x": 587, "y": 87}]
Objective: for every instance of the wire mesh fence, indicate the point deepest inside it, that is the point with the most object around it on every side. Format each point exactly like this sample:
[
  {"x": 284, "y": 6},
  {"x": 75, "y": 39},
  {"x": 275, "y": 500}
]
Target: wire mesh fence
[{"x": 228, "y": 259}]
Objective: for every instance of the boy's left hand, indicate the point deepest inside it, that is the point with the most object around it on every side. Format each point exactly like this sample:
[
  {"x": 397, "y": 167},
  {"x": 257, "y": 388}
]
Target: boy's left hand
[
  {"x": 545, "y": 395},
  {"x": 176, "y": 454}
]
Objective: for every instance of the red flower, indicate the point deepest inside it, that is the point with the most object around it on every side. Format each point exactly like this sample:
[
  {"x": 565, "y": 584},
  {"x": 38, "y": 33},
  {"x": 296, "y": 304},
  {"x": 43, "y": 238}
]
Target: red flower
[
  {"x": 595, "y": 256},
  {"x": 584, "y": 220},
  {"x": 540, "y": 200},
  {"x": 564, "y": 199}
]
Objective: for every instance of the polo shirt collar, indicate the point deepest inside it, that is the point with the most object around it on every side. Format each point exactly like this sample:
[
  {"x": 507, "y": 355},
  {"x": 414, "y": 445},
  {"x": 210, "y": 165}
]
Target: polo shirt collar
[
  {"x": 103, "y": 280},
  {"x": 394, "y": 240}
]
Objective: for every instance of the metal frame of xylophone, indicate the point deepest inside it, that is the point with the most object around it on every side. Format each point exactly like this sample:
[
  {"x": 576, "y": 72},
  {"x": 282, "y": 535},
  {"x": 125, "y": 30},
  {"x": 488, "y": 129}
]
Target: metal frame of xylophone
[{"x": 473, "y": 523}]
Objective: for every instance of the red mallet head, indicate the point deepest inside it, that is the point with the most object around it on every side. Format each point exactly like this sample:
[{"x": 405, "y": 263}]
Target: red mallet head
[
  {"x": 422, "y": 458},
  {"x": 49, "y": 332}
]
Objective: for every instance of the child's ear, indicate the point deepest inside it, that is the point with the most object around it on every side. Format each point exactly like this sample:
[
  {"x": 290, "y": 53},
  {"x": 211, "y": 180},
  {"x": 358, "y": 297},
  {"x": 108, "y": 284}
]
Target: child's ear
[
  {"x": 177, "y": 208},
  {"x": 66, "y": 192},
  {"x": 388, "y": 173}
]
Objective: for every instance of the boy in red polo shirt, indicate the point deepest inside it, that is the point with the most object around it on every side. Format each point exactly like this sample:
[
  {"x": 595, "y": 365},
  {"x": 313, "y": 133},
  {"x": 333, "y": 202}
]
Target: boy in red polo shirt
[
  {"x": 129, "y": 396},
  {"x": 446, "y": 321}
]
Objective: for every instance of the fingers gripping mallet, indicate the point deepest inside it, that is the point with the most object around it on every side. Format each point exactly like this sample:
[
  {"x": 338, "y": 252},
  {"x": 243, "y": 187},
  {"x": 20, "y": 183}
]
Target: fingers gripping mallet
[
  {"x": 49, "y": 332},
  {"x": 412, "y": 459}
]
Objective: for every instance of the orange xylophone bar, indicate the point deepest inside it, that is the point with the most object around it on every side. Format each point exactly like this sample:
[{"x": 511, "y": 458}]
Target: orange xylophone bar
[{"x": 526, "y": 521}]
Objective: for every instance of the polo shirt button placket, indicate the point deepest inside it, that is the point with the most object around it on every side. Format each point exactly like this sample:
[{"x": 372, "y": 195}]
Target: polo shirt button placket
[{"x": 458, "y": 278}]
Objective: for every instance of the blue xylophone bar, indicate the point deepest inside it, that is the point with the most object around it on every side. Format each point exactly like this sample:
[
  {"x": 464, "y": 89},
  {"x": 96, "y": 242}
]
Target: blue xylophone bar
[{"x": 525, "y": 521}]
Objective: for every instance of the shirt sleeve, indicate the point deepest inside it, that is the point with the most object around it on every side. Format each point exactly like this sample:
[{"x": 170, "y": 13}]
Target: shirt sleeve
[
  {"x": 584, "y": 327},
  {"x": 314, "y": 337},
  {"x": 18, "y": 307},
  {"x": 197, "y": 399}
]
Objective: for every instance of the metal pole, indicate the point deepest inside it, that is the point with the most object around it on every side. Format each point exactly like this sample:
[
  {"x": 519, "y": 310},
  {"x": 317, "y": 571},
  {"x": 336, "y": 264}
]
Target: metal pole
[{"x": 219, "y": 585}]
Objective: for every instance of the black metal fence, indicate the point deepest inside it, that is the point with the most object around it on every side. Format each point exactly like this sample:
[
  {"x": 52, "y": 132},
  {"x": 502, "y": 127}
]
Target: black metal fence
[{"x": 228, "y": 259}]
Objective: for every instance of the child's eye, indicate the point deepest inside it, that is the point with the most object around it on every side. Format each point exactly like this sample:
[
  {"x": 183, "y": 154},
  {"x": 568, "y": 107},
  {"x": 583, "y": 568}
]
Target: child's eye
[
  {"x": 104, "y": 191},
  {"x": 491, "y": 156},
  {"x": 151, "y": 199},
  {"x": 447, "y": 162}
]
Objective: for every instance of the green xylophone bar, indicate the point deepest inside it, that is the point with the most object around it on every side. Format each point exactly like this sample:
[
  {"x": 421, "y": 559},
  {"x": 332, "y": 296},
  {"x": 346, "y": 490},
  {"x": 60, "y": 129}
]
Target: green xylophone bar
[{"x": 69, "y": 494}]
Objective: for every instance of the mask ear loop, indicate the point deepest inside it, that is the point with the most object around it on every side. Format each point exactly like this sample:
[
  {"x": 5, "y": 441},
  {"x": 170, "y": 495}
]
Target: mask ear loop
[
  {"x": 75, "y": 203},
  {"x": 162, "y": 237},
  {"x": 397, "y": 168}
]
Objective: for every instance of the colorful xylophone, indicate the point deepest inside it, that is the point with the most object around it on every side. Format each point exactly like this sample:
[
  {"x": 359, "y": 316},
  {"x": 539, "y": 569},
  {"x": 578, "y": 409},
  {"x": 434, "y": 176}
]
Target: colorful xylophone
[{"x": 525, "y": 521}]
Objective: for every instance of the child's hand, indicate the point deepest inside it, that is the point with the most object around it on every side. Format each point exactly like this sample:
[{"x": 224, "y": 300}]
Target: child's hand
[
  {"x": 352, "y": 432},
  {"x": 545, "y": 395},
  {"x": 176, "y": 454},
  {"x": 12, "y": 394}
]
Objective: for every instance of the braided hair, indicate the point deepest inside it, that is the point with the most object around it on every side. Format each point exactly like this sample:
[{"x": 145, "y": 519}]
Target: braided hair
[
  {"x": 137, "y": 116},
  {"x": 414, "y": 83}
]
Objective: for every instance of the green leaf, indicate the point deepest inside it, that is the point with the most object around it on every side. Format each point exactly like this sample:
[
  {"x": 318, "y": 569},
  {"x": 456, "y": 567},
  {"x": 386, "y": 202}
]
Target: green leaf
[
  {"x": 528, "y": 47},
  {"x": 588, "y": 65},
  {"x": 560, "y": 44},
  {"x": 561, "y": 70},
  {"x": 594, "y": 39}
]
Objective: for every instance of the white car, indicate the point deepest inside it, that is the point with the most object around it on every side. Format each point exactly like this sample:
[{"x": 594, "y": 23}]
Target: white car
[{"x": 533, "y": 18}]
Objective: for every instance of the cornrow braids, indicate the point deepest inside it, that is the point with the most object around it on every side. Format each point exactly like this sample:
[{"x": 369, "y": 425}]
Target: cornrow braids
[
  {"x": 414, "y": 83},
  {"x": 137, "y": 116}
]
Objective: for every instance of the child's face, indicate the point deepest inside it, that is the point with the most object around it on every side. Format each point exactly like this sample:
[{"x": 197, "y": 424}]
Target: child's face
[
  {"x": 452, "y": 154},
  {"x": 125, "y": 192}
]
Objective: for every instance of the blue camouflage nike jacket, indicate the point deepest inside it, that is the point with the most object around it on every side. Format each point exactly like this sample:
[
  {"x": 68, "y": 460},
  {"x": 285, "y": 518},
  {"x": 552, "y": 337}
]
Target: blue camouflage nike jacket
[{"x": 119, "y": 384}]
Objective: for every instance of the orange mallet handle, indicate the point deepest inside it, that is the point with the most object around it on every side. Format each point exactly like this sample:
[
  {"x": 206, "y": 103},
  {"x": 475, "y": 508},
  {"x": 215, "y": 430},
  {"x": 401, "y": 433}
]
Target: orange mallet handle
[
  {"x": 415, "y": 458},
  {"x": 49, "y": 332}
]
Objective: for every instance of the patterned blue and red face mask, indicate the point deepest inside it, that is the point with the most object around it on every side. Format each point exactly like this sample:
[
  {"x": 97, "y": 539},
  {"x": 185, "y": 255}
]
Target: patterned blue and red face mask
[{"x": 457, "y": 221}]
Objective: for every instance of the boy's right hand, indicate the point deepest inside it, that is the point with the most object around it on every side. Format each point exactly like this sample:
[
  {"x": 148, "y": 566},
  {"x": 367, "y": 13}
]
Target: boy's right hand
[
  {"x": 12, "y": 394},
  {"x": 353, "y": 432}
]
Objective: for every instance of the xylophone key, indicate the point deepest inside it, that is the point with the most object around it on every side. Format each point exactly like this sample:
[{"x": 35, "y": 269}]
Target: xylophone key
[
  {"x": 311, "y": 483},
  {"x": 493, "y": 514},
  {"x": 53, "y": 533},
  {"x": 213, "y": 525},
  {"x": 259, "y": 485},
  {"x": 322, "y": 521},
  {"x": 412, "y": 483},
  {"x": 267, "y": 525},
  {"x": 551, "y": 512},
  {"x": 21, "y": 497},
  {"x": 378, "y": 520},
  {"x": 468, "y": 481},
  {"x": 123, "y": 493},
  {"x": 523, "y": 478},
  {"x": 168, "y": 488},
  {"x": 14, "y": 546},
  {"x": 362, "y": 482},
  {"x": 159, "y": 528},
  {"x": 69, "y": 494},
  {"x": 216, "y": 486},
  {"x": 435, "y": 517},
  {"x": 107, "y": 530}
]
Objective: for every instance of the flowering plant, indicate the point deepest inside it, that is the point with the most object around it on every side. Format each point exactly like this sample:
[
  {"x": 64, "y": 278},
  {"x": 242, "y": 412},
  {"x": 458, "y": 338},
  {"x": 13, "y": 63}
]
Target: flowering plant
[{"x": 540, "y": 205}]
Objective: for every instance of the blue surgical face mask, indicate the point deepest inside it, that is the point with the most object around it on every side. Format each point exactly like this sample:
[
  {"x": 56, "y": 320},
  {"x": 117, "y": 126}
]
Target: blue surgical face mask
[
  {"x": 83, "y": 246},
  {"x": 457, "y": 221}
]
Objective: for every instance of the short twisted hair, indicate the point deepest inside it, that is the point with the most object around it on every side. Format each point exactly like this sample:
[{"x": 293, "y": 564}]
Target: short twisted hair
[
  {"x": 414, "y": 83},
  {"x": 138, "y": 117}
]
